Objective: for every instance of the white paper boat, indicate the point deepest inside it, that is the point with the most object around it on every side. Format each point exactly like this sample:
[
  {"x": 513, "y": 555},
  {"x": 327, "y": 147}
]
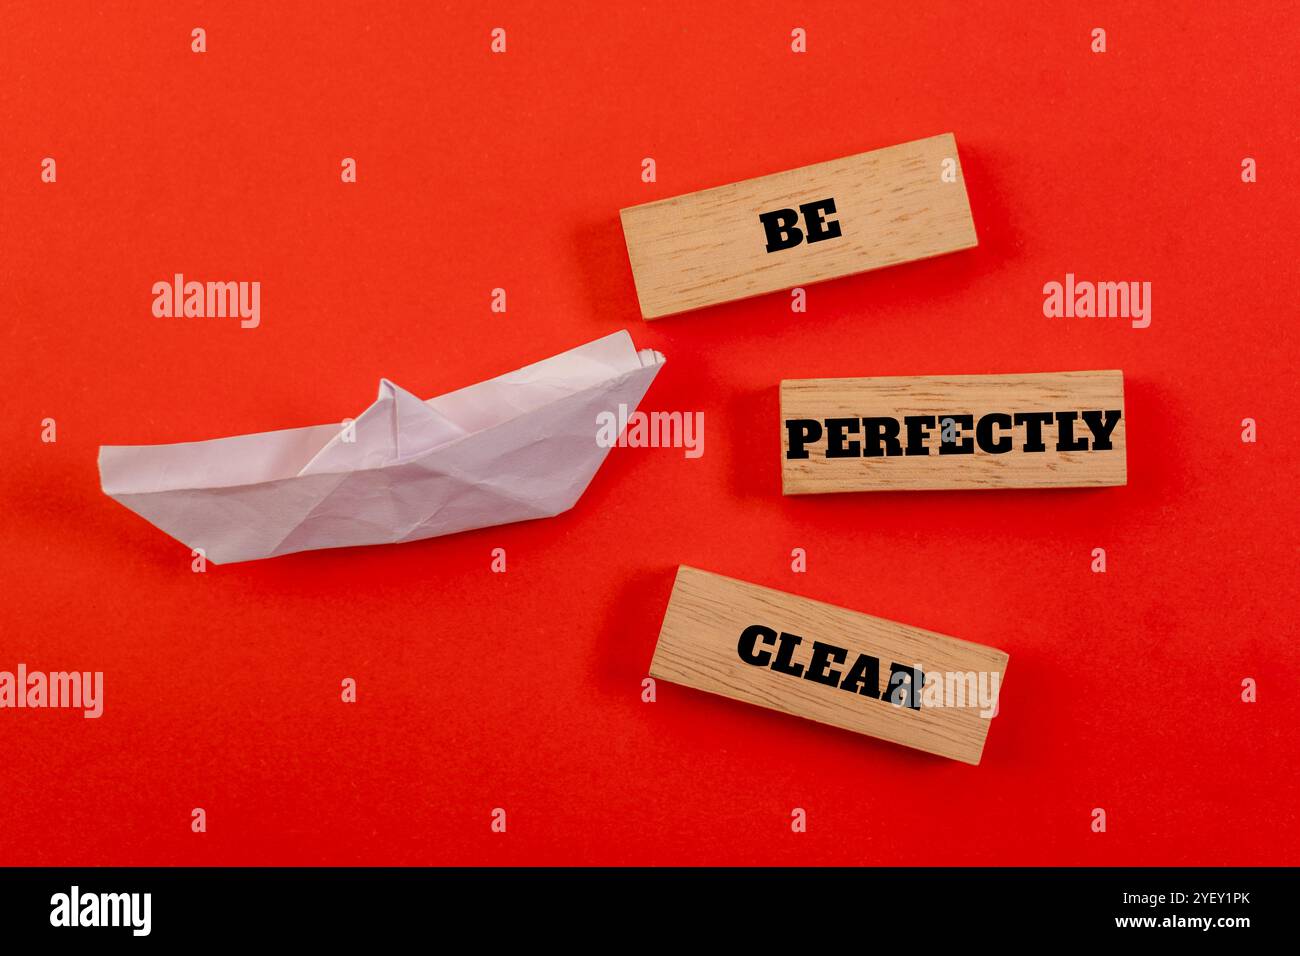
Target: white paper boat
[{"x": 519, "y": 446}]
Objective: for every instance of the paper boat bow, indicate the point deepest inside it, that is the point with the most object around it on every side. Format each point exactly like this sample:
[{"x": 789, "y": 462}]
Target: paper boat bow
[{"x": 519, "y": 446}]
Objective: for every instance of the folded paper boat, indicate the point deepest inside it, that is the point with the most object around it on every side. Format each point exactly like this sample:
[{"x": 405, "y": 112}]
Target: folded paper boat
[{"x": 523, "y": 445}]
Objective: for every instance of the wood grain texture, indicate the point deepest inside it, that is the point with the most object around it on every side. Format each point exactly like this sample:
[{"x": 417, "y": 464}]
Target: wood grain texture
[
  {"x": 698, "y": 647},
  {"x": 939, "y": 396},
  {"x": 710, "y": 246}
]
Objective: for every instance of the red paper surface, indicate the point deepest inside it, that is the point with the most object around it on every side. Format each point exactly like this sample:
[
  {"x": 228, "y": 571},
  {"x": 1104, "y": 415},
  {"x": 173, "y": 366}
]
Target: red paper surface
[{"x": 523, "y": 690}]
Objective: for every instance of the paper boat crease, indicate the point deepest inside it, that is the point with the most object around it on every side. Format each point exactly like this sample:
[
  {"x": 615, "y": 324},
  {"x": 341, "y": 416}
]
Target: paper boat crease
[{"x": 519, "y": 446}]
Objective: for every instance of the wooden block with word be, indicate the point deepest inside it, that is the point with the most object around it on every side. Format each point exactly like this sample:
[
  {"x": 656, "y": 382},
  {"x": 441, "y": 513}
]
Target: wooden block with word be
[
  {"x": 1046, "y": 430},
  {"x": 798, "y": 227},
  {"x": 829, "y": 664}
]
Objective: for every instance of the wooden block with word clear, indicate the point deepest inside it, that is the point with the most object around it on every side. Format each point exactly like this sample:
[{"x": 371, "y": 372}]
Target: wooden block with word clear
[{"x": 829, "y": 664}]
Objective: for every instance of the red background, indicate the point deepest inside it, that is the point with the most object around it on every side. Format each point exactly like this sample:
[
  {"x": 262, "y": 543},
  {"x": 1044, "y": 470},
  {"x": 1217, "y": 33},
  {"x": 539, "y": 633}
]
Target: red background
[{"x": 481, "y": 690}]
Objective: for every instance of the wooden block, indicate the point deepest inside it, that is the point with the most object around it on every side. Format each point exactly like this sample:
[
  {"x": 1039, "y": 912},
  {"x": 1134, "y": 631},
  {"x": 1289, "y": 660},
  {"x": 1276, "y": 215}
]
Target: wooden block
[
  {"x": 829, "y": 664},
  {"x": 1049, "y": 430},
  {"x": 798, "y": 227}
]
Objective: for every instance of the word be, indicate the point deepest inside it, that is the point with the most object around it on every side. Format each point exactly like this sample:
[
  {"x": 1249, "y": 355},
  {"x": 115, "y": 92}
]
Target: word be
[
  {"x": 654, "y": 430},
  {"x": 1102, "y": 300},
  {"x": 198, "y": 300},
  {"x": 884, "y": 436},
  {"x": 782, "y": 225}
]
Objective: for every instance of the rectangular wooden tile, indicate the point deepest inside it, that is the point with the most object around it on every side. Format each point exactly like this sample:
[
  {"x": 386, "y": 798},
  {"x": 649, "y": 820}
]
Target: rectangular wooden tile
[
  {"x": 1044, "y": 430},
  {"x": 798, "y": 227},
  {"x": 829, "y": 664}
]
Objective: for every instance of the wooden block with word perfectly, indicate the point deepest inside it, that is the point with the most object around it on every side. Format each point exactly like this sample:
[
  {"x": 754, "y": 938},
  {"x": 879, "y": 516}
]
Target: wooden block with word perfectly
[
  {"x": 829, "y": 664},
  {"x": 798, "y": 227},
  {"x": 1045, "y": 430}
]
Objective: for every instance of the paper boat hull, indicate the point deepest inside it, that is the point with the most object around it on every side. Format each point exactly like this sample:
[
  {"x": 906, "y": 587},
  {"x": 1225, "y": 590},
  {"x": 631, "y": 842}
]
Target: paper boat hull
[{"x": 533, "y": 465}]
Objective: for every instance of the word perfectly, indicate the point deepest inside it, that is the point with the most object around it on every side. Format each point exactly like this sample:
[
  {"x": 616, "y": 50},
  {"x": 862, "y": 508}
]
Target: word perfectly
[
  {"x": 199, "y": 300},
  {"x": 994, "y": 433}
]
